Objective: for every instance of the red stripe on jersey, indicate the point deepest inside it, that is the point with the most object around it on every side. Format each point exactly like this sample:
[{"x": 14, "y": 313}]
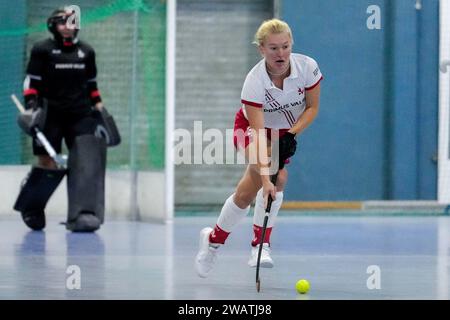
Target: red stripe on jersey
[
  {"x": 315, "y": 85},
  {"x": 269, "y": 95},
  {"x": 253, "y": 104},
  {"x": 292, "y": 116},
  {"x": 95, "y": 94},
  {"x": 287, "y": 118},
  {"x": 30, "y": 91}
]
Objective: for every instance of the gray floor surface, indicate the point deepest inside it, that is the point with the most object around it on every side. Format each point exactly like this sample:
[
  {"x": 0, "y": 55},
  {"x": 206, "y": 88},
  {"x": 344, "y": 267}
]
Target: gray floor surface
[{"x": 341, "y": 257}]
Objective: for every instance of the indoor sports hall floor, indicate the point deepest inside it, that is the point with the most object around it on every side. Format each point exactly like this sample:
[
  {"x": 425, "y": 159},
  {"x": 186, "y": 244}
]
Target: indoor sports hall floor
[{"x": 132, "y": 260}]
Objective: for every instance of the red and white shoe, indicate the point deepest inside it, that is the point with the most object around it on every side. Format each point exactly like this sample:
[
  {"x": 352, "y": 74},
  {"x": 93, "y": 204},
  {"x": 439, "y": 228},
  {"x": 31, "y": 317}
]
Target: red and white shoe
[
  {"x": 266, "y": 260},
  {"x": 207, "y": 254}
]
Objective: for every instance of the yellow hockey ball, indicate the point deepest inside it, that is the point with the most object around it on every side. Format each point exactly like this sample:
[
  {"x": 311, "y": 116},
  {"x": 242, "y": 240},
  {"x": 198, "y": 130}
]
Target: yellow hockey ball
[{"x": 302, "y": 286}]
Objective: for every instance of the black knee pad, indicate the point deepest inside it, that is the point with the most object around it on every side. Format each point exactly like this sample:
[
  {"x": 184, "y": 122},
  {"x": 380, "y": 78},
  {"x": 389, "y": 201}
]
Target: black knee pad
[
  {"x": 86, "y": 183},
  {"x": 34, "y": 194}
]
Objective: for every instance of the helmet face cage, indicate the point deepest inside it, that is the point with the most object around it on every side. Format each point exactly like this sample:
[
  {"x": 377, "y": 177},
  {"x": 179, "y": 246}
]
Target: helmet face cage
[{"x": 59, "y": 20}]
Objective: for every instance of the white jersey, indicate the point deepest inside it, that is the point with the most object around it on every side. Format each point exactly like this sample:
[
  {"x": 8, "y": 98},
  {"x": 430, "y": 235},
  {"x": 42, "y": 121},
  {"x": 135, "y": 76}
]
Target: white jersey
[{"x": 282, "y": 108}]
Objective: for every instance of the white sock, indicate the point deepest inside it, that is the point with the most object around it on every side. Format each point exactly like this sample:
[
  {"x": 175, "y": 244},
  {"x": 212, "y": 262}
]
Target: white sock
[
  {"x": 231, "y": 214},
  {"x": 260, "y": 210}
]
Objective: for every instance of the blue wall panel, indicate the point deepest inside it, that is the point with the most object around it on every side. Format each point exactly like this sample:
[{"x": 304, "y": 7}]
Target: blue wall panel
[
  {"x": 377, "y": 128},
  {"x": 341, "y": 155},
  {"x": 428, "y": 99},
  {"x": 404, "y": 102}
]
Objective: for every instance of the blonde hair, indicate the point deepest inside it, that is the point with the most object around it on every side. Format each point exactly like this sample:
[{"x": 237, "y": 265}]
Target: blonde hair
[{"x": 272, "y": 26}]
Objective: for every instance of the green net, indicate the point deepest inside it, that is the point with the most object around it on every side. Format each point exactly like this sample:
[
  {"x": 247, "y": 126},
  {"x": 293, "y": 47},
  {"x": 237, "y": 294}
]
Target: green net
[{"x": 129, "y": 39}]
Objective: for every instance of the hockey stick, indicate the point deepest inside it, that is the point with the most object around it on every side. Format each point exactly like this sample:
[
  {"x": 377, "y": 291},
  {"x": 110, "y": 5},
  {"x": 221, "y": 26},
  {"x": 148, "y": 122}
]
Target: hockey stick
[
  {"x": 273, "y": 179},
  {"x": 60, "y": 160}
]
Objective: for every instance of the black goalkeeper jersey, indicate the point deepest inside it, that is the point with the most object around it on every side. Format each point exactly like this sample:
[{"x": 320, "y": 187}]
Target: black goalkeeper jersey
[{"x": 64, "y": 75}]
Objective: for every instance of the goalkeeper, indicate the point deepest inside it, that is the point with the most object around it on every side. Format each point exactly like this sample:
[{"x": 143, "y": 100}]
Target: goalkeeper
[{"x": 61, "y": 89}]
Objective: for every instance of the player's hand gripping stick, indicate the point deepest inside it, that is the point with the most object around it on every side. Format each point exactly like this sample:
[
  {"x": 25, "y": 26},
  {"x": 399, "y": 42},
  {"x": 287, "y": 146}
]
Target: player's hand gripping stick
[{"x": 60, "y": 160}]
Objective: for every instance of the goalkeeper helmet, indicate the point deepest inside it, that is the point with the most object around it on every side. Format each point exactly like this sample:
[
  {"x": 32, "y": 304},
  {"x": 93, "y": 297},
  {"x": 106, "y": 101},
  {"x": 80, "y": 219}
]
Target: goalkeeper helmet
[{"x": 61, "y": 16}]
